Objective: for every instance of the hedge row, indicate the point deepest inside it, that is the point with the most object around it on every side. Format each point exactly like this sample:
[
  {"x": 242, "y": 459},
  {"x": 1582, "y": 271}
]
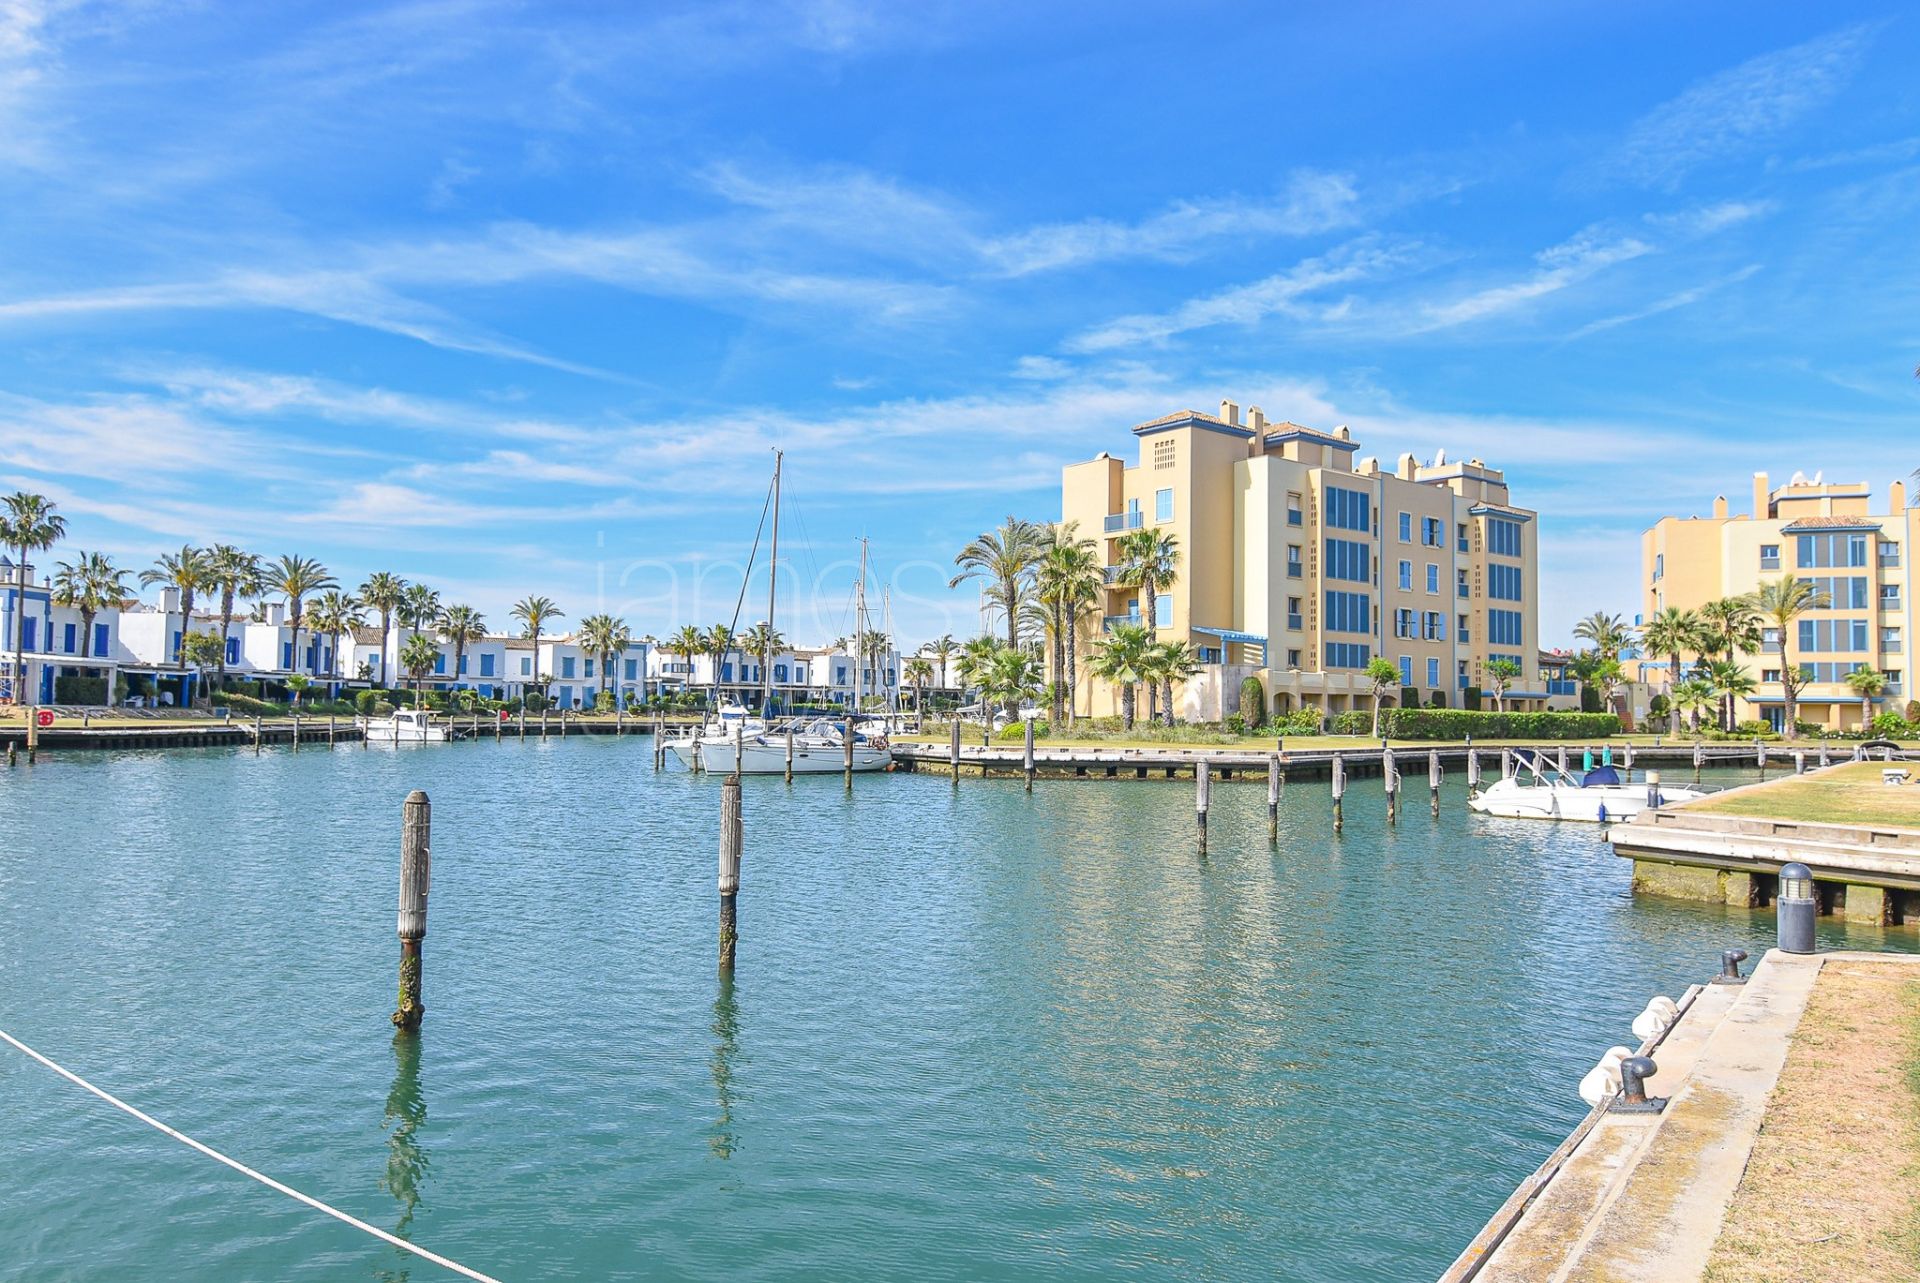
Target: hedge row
[{"x": 1458, "y": 723}]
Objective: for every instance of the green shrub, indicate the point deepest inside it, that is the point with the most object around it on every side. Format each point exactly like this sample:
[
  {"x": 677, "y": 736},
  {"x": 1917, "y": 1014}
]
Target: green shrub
[
  {"x": 1458, "y": 723},
  {"x": 248, "y": 705},
  {"x": 1302, "y": 721},
  {"x": 1016, "y": 733},
  {"x": 1253, "y": 701},
  {"x": 1236, "y": 724},
  {"x": 79, "y": 690},
  {"x": 1470, "y": 698},
  {"x": 1892, "y": 726},
  {"x": 363, "y": 703},
  {"x": 1354, "y": 722}
]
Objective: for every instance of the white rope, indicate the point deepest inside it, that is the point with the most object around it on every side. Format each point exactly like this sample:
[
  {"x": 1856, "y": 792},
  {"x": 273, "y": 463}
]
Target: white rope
[{"x": 244, "y": 1170}]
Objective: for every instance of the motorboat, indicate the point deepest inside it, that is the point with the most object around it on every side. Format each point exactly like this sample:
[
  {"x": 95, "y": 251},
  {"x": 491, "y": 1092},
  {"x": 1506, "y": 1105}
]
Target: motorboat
[
  {"x": 819, "y": 748},
  {"x": 1540, "y": 789},
  {"x": 734, "y": 722},
  {"x": 403, "y": 726}
]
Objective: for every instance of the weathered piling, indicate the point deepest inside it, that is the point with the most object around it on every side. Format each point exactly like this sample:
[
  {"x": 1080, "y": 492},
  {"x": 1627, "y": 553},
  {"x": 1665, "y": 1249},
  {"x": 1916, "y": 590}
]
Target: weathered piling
[
  {"x": 1799, "y": 761},
  {"x": 1273, "y": 797},
  {"x": 789, "y": 754},
  {"x": 522, "y": 718},
  {"x": 258, "y": 734},
  {"x": 33, "y": 734},
  {"x": 1629, "y": 756},
  {"x": 1026, "y": 755},
  {"x": 731, "y": 833},
  {"x": 953, "y": 750},
  {"x": 847, "y": 745},
  {"x": 739, "y": 745},
  {"x": 543, "y": 723},
  {"x": 619, "y": 719},
  {"x": 1699, "y": 759},
  {"x": 329, "y": 730},
  {"x": 1390, "y": 780},
  {"x": 1760, "y": 757},
  {"x": 1202, "y": 798},
  {"x": 1339, "y": 777},
  {"x": 11, "y": 751},
  {"x": 1823, "y": 753},
  {"x": 416, "y": 833},
  {"x": 1433, "y": 779},
  {"x": 1562, "y": 758},
  {"x": 1506, "y": 763},
  {"x": 1473, "y": 770}
]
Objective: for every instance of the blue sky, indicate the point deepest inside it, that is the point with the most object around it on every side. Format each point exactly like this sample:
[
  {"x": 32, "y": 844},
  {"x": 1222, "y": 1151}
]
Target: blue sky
[{"x": 516, "y": 298}]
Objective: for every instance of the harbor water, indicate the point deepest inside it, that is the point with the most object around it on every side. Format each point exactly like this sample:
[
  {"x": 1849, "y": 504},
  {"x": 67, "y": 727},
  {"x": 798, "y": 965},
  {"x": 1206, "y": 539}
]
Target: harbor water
[{"x": 975, "y": 1033}]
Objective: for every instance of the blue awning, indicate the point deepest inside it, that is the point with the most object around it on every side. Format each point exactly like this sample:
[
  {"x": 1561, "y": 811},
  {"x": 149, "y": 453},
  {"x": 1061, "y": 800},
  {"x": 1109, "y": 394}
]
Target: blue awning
[{"x": 1229, "y": 635}]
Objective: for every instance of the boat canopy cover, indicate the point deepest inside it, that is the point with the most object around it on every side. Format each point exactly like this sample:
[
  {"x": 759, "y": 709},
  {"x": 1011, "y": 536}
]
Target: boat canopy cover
[{"x": 1599, "y": 775}]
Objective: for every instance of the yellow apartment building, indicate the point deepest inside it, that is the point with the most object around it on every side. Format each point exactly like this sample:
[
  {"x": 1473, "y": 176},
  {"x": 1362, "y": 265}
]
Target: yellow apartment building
[
  {"x": 1299, "y": 564},
  {"x": 1821, "y": 531}
]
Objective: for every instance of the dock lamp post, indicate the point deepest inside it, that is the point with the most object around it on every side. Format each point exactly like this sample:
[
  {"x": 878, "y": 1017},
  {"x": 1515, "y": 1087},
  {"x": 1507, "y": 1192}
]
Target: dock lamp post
[{"x": 1796, "y": 906}]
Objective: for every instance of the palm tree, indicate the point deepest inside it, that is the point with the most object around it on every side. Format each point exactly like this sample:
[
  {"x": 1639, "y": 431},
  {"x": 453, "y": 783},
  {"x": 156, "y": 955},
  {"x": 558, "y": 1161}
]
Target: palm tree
[
  {"x": 235, "y": 573},
  {"x": 1173, "y": 661},
  {"x": 419, "y": 607},
  {"x": 1381, "y": 675},
  {"x": 686, "y": 643},
  {"x": 1780, "y": 602},
  {"x": 384, "y": 591},
  {"x": 1730, "y": 627},
  {"x": 1501, "y": 674},
  {"x": 1012, "y": 677},
  {"x": 89, "y": 584},
  {"x": 719, "y": 640},
  {"x": 1869, "y": 684},
  {"x": 944, "y": 650},
  {"x": 1693, "y": 694},
  {"x": 1005, "y": 559},
  {"x": 296, "y": 578},
  {"x": 332, "y": 614},
  {"x": 30, "y": 525},
  {"x": 1149, "y": 561},
  {"x": 604, "y": 637},
  {"x": 1068, "y": 580},
  {"x": 919, "y": 672},
  {"x": 1608, "y": 633},
  {"x": 1730, "y": 681},
  {"x": 417, "y": 657},
  {"x": 975, "y": 658},
  {"x": 1123, "y": 658},
  {"x": 461, "y": 626},
  {"x": 1671, "y": 631},
  {"x": 188, "y": 570},
  {"x": 1611, "y": 678},
  {"x": 536, "y": 613},
  {"x": 763, "y": 641}
]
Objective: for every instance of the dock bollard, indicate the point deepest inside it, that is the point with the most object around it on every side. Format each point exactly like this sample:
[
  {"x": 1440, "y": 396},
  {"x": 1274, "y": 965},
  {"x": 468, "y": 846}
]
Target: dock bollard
[
  {"x": 1653, "y": 790},
  {"x": 953, "y": 749},
  {"x": 416, "y": 857},
  {"x": 1730, "y": 960},
  {"x": 1823, "y": 753},
  {"x": 1795, "y": 908},
  {"x": 1433, "y": 779},
  {"x": 1202, "y": 797},
  {"x": 1026, "y": 755},
  {"x": 1273, "y": 797},
  {"x": 1390, "y": 777},
  {"x": 1339, "y": 788},
  {"x": 1633, "y": 1098},
  {"x": 731, "y": 834}
]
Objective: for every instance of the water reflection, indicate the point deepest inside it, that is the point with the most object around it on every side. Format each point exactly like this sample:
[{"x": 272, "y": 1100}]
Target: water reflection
[
  {"x": 407, "y": 1162},
  {"x": 726, "y": 1033}
]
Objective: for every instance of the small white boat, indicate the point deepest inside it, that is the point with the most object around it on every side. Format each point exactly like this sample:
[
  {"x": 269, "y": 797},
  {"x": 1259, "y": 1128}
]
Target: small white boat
[
  {"x": 734, "y": 721},
  {"x": 1540, "y": 790},
  {"x": 819, "y": 748},
  {"x": 404, "y": 726}
]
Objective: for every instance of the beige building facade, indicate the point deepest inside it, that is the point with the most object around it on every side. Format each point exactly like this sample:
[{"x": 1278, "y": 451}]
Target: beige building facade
[
  {"x": 1826, "y": 532},
  {"x": 1299, "y": 564}
]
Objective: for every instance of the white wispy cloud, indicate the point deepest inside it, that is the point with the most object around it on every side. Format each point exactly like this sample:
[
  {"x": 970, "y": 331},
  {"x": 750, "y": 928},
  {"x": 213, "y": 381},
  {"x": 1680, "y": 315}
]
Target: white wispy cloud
[
  {"x": 1668, "y": 303},
  {"x": 1559, "y": 266},
  {"x": 1727, "y": 114}
]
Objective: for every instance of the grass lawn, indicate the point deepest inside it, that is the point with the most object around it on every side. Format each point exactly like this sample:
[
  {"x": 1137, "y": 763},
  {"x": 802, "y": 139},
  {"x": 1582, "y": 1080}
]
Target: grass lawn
[
  {"x": 1851, "y": 794},
  {"x": 1831, "y": 1193}
]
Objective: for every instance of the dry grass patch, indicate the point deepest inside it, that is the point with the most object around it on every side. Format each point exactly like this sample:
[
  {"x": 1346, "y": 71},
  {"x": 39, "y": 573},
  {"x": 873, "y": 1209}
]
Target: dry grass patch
[
  {"x": 1831, "y": 1193},
  {"x": 1850, "y": 794}
]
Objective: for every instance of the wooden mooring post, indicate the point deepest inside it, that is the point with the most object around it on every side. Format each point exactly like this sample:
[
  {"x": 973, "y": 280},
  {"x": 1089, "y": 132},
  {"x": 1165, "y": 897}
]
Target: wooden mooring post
[
  {"x": 1433, "y": 779},
  {"x": 1390, "y": 779},
  {"x": 416, "y": 857},
  {"x": 1202, "y": 797},
  {"x": 1506, "y": 763},
  {"x": 1339, "y": 788},
  {"x": 1799, "y": 761},
  {"x": 1273, "y": 798},
  {"x": 789, "y": 766},
  {"x": 1699, "y": 759},
  {"x": 1473, "y": 771},
  {"x": 1026, "y": 757},
  {"x": 731, "y": 834},
  {"x": 543, "y": 722},
  {"x": 1823, "y": 753},
  {"x": 953, "y": 749},
  {"x": 258, "y": 734},
  {"x": 1560, "y": 759},
  {"x": 522, "y": 718},
  {"x": 848, "y": 745},
  {"x": 1760, "y": 756},
  {"x": 1629, "y": 755},
  {"x": 329, "y": 730}
]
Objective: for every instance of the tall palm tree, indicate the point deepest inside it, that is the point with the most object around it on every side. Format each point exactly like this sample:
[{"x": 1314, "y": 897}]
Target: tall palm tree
[
  {"x": 419, "y": 607},
  {"x": 1149, "y": 561},
  {"x": 1731, "y": 681},
  {"x": 1122, "y": 659},
  {"x": 1005, "y": 560},
  {"x": 919, "y": 672},
  {"x": 89, "y": 584},
  {"x": 686, "y": 642},
  {"x": 188, "y": 570},
  {"x": 1068, "y": 580},
  {"x": 237, "y": 574},
  {"x": 1730, "y": 628},
  {"x": 416, "y": 657},
  {"x": 1608, "y": 634},
  {"x": 536, "y": 613},
  {"x": 1780, "y": 602},
  {"x": 1869, "y": 684},
  {"x": 719, "y": 640},
  {"x": 976, "y": 657},
  {"x": 333, "y": 613},
  {"x": 1670, "y": 632},
  {"x": 603, "y": 637},
  {"x": 764, "y": 641},
  {"x": 1694, "y": 694},
  {"x": 1012, "y": 677},
  {"x": 297, "y": 578},
  {"x": 385, "y": 592},
  {"x": 1173, "y": 661},
  {"x": 461, "y": 626},
  {"x": 30, "y": 525},
  {"x": 944, "y": 649}
]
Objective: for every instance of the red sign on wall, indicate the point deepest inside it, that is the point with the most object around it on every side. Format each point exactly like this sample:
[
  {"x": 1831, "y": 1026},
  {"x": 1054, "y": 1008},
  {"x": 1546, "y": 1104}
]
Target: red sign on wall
[{"x": 44, "y": 717}]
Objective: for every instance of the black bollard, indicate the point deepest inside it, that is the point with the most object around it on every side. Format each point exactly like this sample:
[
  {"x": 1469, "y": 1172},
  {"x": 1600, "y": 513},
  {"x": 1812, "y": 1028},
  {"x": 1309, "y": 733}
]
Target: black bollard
[
  {"x": 1796, "y": 907},
  {"x": 415, "y": 874}
]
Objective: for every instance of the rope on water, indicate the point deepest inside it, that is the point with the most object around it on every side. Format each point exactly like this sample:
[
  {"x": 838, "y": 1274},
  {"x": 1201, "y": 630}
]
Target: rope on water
[{"x": 244, "y": 1170}]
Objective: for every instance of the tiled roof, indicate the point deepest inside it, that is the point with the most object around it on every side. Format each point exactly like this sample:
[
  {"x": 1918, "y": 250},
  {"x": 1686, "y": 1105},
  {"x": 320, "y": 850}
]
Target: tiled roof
[
  {"x": 1179, "y": 416},
  {"x": 1832, "y": 523},
  {"x": 367, "y": 635}
]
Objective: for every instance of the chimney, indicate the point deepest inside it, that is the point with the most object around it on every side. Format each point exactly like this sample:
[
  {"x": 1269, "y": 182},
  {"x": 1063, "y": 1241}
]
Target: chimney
[
  {"x": 276, "y": 612},
  {"x": 1760, "y": 511},
  {"x": 1256, "y": 419},
  {"x": 1341, "y": 434},
  {"x": 1896, "y": 498},
  {"x": 170, "y": 600},
  {"x": 1720, "y": 506},
  {"x": 1409, "y": 467},
  {"x": 1230, "y": 412}
]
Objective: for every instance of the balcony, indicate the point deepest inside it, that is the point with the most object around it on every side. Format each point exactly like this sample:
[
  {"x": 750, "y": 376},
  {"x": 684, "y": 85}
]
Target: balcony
[
  {"x": 1111, "y": 574},
  {"x": 1110, "y": 622},
  {"x": 1119, "y": 521}
]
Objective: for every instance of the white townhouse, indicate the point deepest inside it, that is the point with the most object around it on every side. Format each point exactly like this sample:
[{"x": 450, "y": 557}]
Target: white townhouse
[{"x": 59, "y": 650}]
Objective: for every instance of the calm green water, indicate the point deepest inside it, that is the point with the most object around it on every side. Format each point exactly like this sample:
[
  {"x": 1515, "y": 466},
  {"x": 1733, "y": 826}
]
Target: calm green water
[{"x": 975, "y": 1034}]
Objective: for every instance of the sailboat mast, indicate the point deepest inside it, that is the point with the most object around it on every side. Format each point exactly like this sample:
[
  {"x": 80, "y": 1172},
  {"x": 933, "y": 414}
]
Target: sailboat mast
[
  {"x": 859, "y": 630},
  {"x": 773, "y": 577}
]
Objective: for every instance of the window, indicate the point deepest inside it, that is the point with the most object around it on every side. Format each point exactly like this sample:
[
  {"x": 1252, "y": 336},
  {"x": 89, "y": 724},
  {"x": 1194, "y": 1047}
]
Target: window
[
  {"x": 566, "y": 666},
  {"x": 486, "y": 665},
  {"x": 1163, "y": 454},
  {"x": 1659, "y": 565},
  {"x": 1841, "y": 592},
  {"x": 1460, "y": 583},
  {"x": 102, "y": 643},
  {"x": 1769, "y": 556},
  {"x": 1465, "y": 634},
  {"x": 1293, "y": 613},
  {"x": 1406, "y": 574},
  {"x": 286, "y": 654},
  {"x": 1293, "y": 561},
  {"x": 440, "y": 663},
  {"x": 1505, "y": 628},
  {"x": 1294, "y": 515},
  {"x": 1403, "y": 623},
  {"x": 1829, "y": 671},
  {"x": 1841, "y": 549},
  {"x": 1406, "y": 527},
  {"x": 1433, "y": 673},
  {"x": 1841, "y": 635},
  {"x": 68, "y": 635},
  {"x": 1503, "y": 537},
  {"x": 1769, "y": 674},
  {"x": 463, "y": 664},
  {"x": 1890, "y": 640},
  {"x": 1433, "y": 577},
  {"x": 526, "y": 666},
  {"x": 1348, "y": 509},
  {"x": 1433, "y": 532},
  {"x": 1163, "y": 505},
  {"x": 1503, "y": 583},
  {"x": 1889, "y": 553},
  {"x": 1133, "y": 514},
  {"x": 1348, "y": 559},
  {"x": 1406, "y": 670},
  {"x": 1460, "y": 539},
  {"x": 1893, "y": 681},
  {"x": 1293, "y": 659},
  {"x": 1347, "y": 655},
  {"x": 589, "y": 671},
  {"x": 1889, "y": 596},
  {"x": 633, "y": 669},
  {"x": 1349, "y": 612},
  {"x": 1433, "y": 626}
]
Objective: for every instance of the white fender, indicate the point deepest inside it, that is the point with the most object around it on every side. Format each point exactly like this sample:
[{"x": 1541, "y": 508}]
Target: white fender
[
  {"x": 1603, "y": 1080},
  {"x": 1660, "y": 1013}
]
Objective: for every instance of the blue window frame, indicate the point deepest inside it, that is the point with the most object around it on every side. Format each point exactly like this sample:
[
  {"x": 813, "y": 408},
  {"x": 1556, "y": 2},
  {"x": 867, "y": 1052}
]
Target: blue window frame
[
  {"x": 1350, "y": 560},
  {"x": 1503, "y": 537},
  {"x": 440, "y": 663},
  {"x": 1349, "y": 509},
  {"x": 566, "y": 665},
  {"x": 1406, "y": 670},
  {"x": 1505, "y": 628},
  {"x": 1841, "y": 549},
  {"x": 1163, "y": 505},
  {"x": 1406, "y": 572},
  {"x": 486, "y": 664},
  {"x": 1433, "y": 577},
  {"x": 526, "y": 665},
  {"x": 69, "y": 638},
  {"x": 1347, "y": 655},
  {"x": 233, "y": 649},
  {"x": 102, "y": 642},
  {"x": 1348, "y": 612},
  {"x": 1504, "y": 583},
  {"x": 1842, "y": 635},
  {"x": 1406, "y": 527},
  {"x": 1433, "y": 673},
  {"x": 30, "y": 634},
  {"x": 633, "y": 669},
  {"x": 286, "y": 654}
]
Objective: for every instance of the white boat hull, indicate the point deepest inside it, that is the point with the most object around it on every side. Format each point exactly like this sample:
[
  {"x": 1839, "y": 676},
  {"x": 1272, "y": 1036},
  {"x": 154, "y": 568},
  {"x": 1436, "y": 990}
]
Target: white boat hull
[
  {"x": 389, "y": 733},
  {"x": 1597, "y": 804},
  {"x": 769, "y": 756}
]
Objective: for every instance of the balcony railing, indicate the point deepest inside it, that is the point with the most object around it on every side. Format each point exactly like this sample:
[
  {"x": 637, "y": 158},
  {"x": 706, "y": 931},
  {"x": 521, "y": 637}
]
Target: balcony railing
[
  {"x": 1294, "y": 570},
  {"x": 1119, "y": 521},
  {"x": 1460, "y": 590},
  {"x": 1294, "y": 622},
  {"x": 1110, "y": 622}
]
